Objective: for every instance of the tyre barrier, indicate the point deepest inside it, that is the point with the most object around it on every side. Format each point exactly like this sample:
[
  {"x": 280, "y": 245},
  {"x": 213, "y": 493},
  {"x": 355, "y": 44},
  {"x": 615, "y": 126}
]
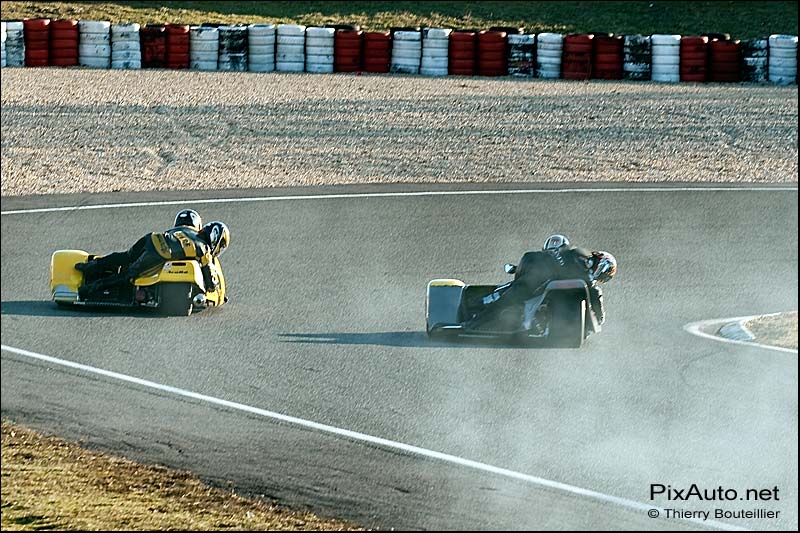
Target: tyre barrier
[
  {"x": 320, "y": 49},
  {"x": 37, "y": 42},
  {"x": 666, "y": 59},
  {"x": 377, "y": 55},
  {"x": 94, "y": 43},
  {"x": 406, "y": 51},
  {"x": 462, "y": 53},
  {"x": 153, "y": 43},
  {"x": 608, "y": 57},
  {"x": 347, "y": 46},
  {"x": 15, "y": 44},
  {"x": 636, "y": 57},
  {"x": 64, "y": 43},
  {"x": 782, "y": 59},
  {"x": 435, "y": 51},
  {"x": 126, "y": 52},
  {"x": 549, "y": 48},
  {"x": 492, "y": 53},
  {"x": 521, "y": 55},
  {"x": 204, "y": 48},
  {"x": 694, "y": 59},
  {"x": 290, "y": 54},
  {"x": 724, "y": 59},
  {"x": 754, "y": 60},
  {"x": 261, "y": 47},
  {"x": 576, "y": 62},
  {"x": 232, "y": 48},
  {"x": 177, "y": 46},
  {"x": 3, "y": 37}
]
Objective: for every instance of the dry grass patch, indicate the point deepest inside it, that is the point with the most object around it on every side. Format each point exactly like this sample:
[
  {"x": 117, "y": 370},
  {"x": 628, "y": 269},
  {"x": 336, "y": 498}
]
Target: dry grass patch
[
  {"x": 49, "y": 483},
  {"x": 743, "y": 19},
  {"x": 775, "y": 330}
]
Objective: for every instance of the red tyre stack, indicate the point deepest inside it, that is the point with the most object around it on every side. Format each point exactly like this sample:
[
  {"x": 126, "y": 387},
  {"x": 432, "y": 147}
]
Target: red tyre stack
[
  {"x": 377, "y": 51},
  {"x": 64, "y": 43},
  {"x": 694, "y": 58},
  {"x": 726, "y": 59},
  {"x": 462, "y": 53},
  {"x": 608, "y": 54},
  {"x": 177, "y": 46},
  {"x": 153, "y": 42},
  {"x": 37, "y": 42},
  {"x": 576, "y": 58},
  {"x": 492, "y": 53},
  {"x": 347, "y": 50}
]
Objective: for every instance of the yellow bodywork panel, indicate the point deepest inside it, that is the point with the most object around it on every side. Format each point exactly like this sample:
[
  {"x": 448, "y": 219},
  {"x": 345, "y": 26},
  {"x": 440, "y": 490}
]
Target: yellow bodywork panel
[
  {"x": 64, "y": 279},
  {"x": 186, "y": 271},
  {"x": 446, "y": 283},
  {"x": 172, "y": 272}
]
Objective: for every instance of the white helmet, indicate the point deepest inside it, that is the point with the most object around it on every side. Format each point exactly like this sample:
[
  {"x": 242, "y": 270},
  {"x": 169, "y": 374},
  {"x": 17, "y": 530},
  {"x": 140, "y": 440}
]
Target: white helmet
[
  {"x": 604, "y": 266},
  {"x": 554, "y": 242}
]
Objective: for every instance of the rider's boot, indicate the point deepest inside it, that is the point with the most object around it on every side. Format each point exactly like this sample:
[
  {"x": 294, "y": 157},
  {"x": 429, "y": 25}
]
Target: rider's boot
[{"x": 87, "y": 268}]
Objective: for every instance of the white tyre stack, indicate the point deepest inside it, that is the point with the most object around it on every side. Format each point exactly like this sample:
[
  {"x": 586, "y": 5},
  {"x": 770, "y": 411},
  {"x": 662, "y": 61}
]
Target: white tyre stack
[
  {"x": 754, "y": 60},
  {"x": 15, "y": 44},
  {"x": 435, "y": 51},
  {"x": 203, "y": 48},
  {"x": 548, "y": 55},
  {"x": 520, "y": 55},
  {"x": 261, "y": 47},
  {"x": 406, "y": 52},
  {"x": 94, "y": 43},
  {"x": 666, "y": 50},
  {"x": 3, "y": 36},
  {"x": 290, "y": 55},
  {"x": 783, "y": 59},
  {"x": 319, "y": 50},
  {"x": 126, "y": 53},
  {"x": 637, "y": 52},
  {"x": 233, "y": 48}
]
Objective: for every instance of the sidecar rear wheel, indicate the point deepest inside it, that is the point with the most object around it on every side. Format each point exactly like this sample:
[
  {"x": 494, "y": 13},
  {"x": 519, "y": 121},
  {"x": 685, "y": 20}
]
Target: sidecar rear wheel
[
  {"x": 567, "y": 322},
  {"x": 176, "y": 299}
]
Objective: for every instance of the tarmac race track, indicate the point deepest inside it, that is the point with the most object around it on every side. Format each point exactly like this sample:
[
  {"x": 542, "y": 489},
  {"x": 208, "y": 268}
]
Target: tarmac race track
[{"x": 326, "y": 324}]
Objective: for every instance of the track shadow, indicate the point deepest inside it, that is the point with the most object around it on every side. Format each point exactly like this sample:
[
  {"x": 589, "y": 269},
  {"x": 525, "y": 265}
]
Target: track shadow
[
  {"x": 48, "y": 308},
  {"x": 402, "y": 339}
]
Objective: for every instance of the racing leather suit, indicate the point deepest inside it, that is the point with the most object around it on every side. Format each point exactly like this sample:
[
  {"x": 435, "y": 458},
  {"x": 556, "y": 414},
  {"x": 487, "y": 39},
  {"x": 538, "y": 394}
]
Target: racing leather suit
[
  {"x": 538, "y": 267},
  {"x": 150, "y": 251}
]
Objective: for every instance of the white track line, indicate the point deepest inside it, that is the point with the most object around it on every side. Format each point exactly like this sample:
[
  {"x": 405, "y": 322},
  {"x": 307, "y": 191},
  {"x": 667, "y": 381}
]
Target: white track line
[
  {"x": 401, "y": 194},
  {"x": 354, "y": 435},
  {"x": 696, "y": 328}
]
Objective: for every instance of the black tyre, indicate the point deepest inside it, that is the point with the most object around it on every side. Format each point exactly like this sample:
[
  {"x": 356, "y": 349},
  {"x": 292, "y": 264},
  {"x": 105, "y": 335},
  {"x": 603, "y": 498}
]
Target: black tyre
[
  {"x": 567, "y": 322},
  {"x": 508, "y": 29},
  {"x": 176, "y": 299}
]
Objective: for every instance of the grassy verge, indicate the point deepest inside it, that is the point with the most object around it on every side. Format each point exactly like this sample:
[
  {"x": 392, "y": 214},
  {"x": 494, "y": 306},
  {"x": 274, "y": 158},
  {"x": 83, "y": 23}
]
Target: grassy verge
[
  {"x": 742, "y": 19},
  {"x": 48, "y": 483},
  {"x": 777, "y": 330}
]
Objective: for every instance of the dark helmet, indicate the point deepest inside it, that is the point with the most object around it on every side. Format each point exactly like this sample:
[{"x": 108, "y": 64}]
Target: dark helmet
[
  {"x": 603, "y": 267},
  {"x": 218, "y": 237},
  {"x": 554, "y": 242},
  {"x": 189, "y": 217}
]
